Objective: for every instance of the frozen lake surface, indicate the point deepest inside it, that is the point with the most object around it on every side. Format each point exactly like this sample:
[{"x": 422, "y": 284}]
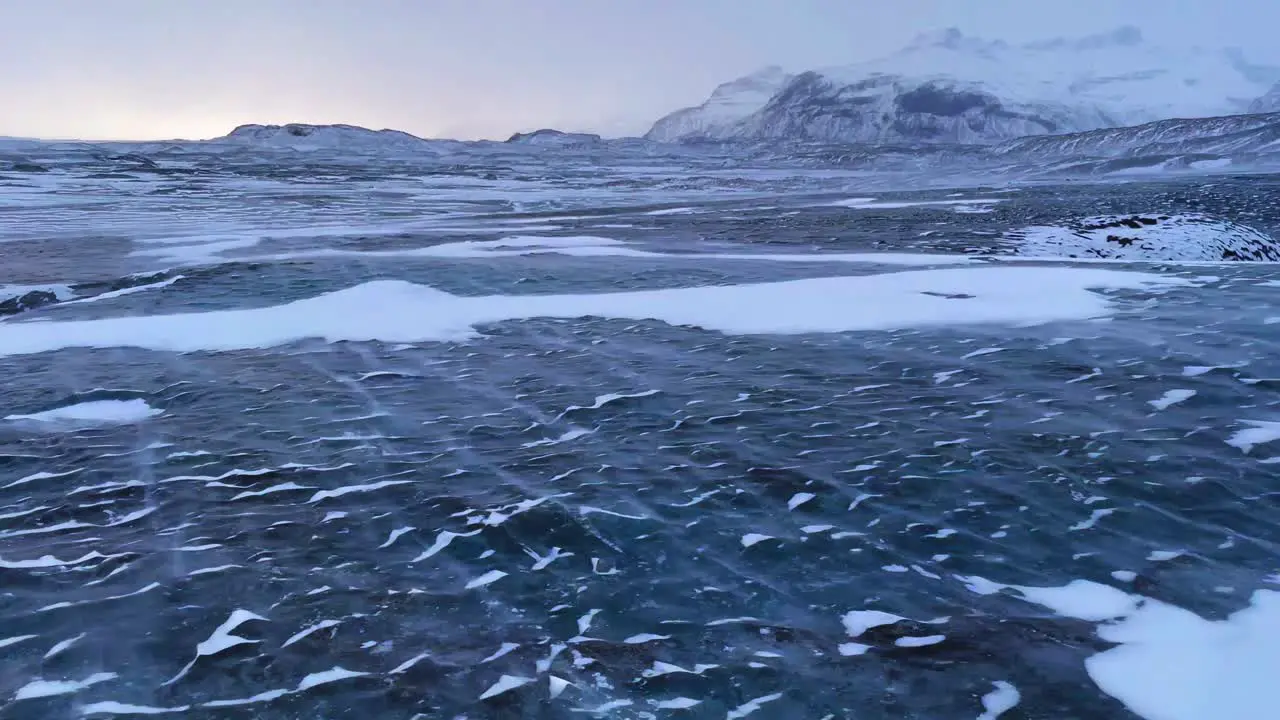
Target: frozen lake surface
[{"x": 509, "y": 438}]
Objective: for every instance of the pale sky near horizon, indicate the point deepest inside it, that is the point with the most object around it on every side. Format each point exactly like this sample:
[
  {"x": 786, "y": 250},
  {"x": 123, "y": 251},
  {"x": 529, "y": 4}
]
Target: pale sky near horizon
[{"x": 149, "y": 69}]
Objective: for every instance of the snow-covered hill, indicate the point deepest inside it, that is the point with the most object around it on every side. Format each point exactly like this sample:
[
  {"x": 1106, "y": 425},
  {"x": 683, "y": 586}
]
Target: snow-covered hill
[
  {"x": 1234, "y": 134},
  {"x": 1267, "y": 103},
  {"x": 299, "y": 136},
  {"x": 729, "y": 103},
  {"x": 948, "y": 87},
  {"x": 554, "y": 138}
]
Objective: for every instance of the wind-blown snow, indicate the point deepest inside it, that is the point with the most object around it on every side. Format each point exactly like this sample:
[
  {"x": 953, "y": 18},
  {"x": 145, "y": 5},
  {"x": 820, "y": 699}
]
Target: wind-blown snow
[{"x": 926, "y": 298}]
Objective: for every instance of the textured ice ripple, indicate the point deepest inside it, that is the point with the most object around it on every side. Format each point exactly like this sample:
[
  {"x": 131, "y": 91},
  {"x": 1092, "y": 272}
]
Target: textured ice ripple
[{"x": 608, "y": 566}]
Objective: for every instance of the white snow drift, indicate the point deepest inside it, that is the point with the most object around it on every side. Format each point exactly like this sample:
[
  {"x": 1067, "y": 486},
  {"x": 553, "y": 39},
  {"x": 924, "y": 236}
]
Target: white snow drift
[
  {"x": 397, "y": 311},
  {"x": 94, "y": 412}
]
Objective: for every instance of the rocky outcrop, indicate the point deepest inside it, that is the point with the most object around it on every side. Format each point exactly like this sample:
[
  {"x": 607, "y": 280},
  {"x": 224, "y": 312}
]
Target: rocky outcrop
[{"x": 15, "y": 299}]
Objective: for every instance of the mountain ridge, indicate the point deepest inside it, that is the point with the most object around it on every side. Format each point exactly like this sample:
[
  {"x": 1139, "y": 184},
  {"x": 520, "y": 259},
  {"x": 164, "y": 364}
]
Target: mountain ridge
[
  {"x": 731, "y": 100},
  {"x": 1223, "y": 134},
  {"x": 1270, "y": 102},
  {"x": 950, "y": 87}
]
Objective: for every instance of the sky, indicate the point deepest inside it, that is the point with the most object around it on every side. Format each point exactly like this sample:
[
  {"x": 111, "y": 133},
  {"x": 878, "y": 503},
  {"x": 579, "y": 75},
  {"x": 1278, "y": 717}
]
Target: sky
[{"x": 159, "y": 69}]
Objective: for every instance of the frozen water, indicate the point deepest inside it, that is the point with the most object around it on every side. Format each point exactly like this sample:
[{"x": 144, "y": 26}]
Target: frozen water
[{"x": 494, "y": 431}]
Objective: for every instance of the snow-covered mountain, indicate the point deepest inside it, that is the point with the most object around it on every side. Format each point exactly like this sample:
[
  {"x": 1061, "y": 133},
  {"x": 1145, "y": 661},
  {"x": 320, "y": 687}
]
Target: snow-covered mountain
[
  {"x": 948, "y": 87},
  {"x": 1267, "y": 103},
  {"x": 299, "y": 136},
  {"x": 728, "y": 104}
]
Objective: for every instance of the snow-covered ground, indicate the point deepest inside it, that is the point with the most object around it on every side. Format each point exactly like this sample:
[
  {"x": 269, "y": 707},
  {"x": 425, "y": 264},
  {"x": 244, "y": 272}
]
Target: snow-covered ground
[{"x": 1154, "y": 236}]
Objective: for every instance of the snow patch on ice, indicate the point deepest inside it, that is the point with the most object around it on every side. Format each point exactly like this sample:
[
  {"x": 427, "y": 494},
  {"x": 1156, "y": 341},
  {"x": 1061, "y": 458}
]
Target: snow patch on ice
[
  {"x": 999, "y": 701},
  {"x": 1171, "y": 398},
  {"x": 1169, "y": 663},
  {"x": 594, "y": 246},
  {"x": 323, "y": 678},
  {"x": 751, "y": 706},
  {"x": 1172, "y": 664},
  {"x": 872, "y": 204},
  {"x": 98, "y": 412},
  {"x": 49, "y": 688},
  {"x": 680, "y": 703},
  {"x": 505, "y": 684},
  {"x": 925, "y": 641},
  {"x": 1189, "y": 236},
  {"x": 488, "y": 578},
  {"x": 947, "y": 297},
  {"x": 857, "y": 622},
  {"x": 1261, "y": 433},
  {"x": 220, "y": 640}
]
